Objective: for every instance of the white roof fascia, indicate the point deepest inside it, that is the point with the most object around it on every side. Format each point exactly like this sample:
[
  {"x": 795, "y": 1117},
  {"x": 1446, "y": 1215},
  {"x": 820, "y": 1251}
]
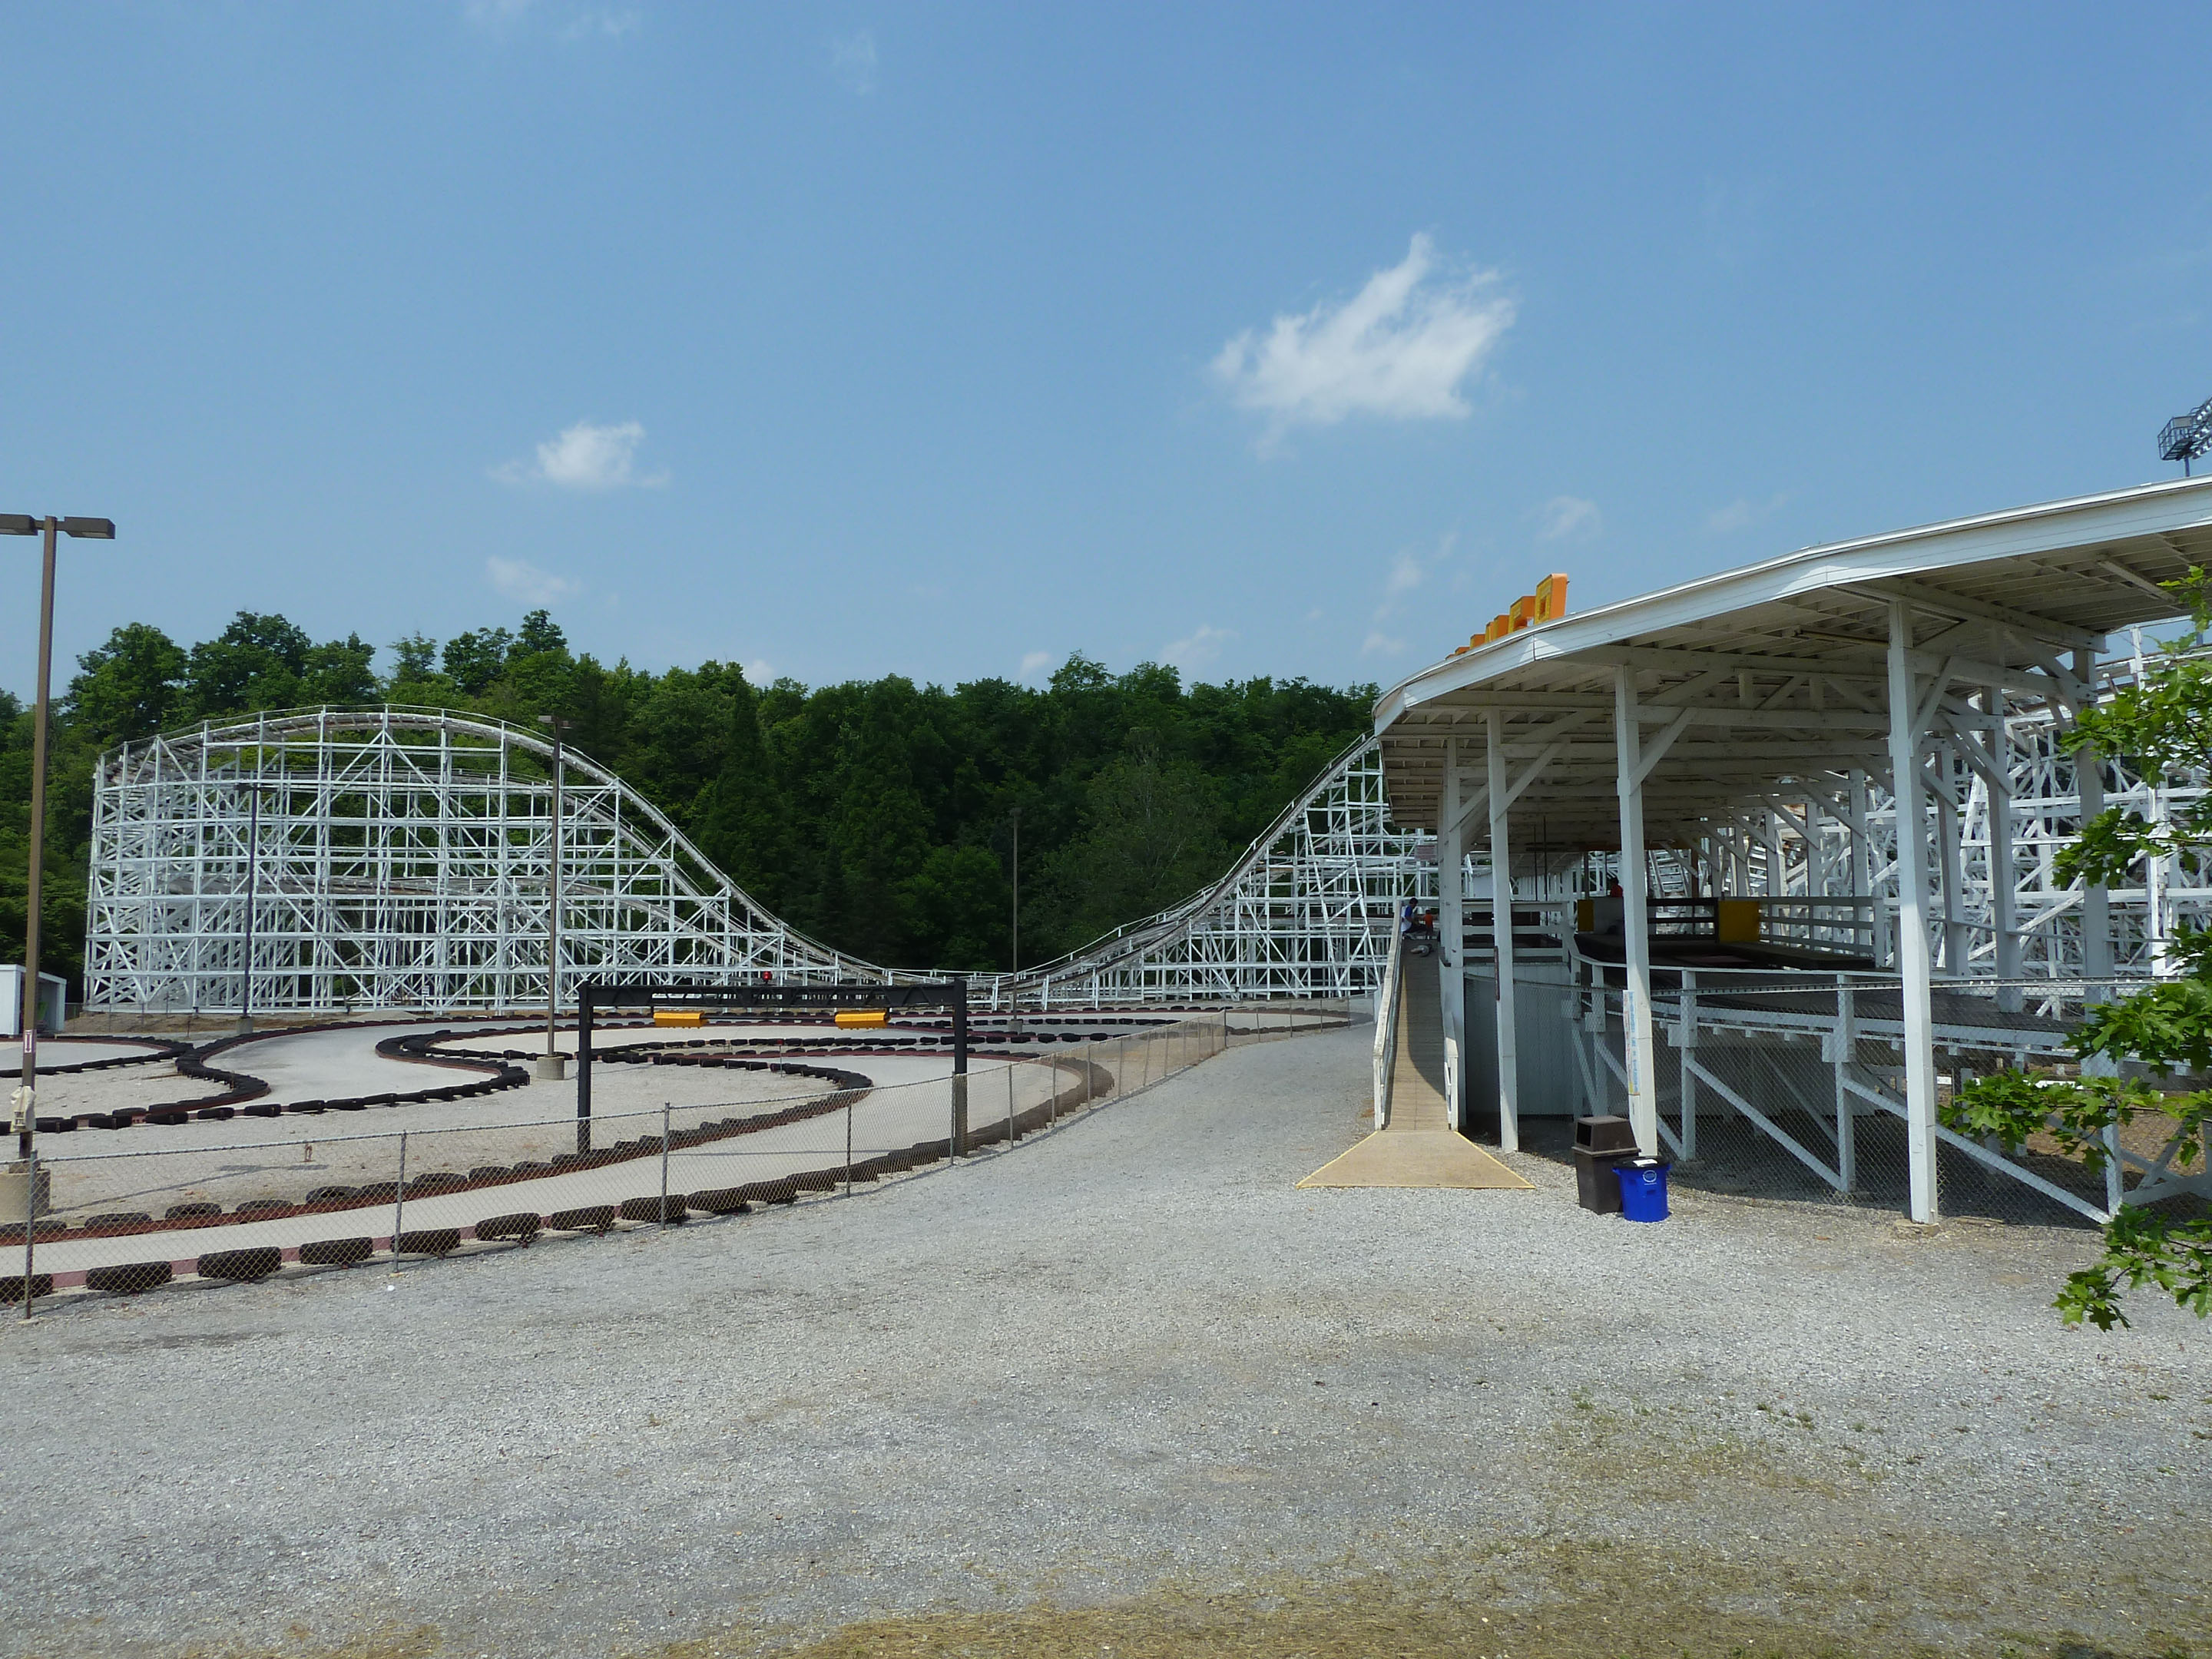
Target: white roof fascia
[{"x": 2052, "y": 527}]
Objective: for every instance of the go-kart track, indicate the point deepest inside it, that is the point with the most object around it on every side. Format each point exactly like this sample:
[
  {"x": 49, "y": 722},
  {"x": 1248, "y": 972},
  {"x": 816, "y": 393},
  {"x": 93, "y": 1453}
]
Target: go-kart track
[{"x": 333, "y": 1145}]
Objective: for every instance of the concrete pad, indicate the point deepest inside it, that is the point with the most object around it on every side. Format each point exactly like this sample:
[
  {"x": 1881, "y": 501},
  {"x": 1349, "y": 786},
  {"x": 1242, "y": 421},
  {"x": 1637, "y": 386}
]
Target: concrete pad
[{"x": 1417, "y": 1157}]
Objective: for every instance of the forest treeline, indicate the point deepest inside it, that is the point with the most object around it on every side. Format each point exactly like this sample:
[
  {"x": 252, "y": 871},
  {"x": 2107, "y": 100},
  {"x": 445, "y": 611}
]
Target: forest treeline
[{"x": 876, "y": 816}]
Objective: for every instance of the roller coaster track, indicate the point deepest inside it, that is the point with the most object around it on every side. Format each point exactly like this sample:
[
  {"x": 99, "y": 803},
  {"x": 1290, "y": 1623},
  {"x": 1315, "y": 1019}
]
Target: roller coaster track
[{"x": 396, "y": 857}]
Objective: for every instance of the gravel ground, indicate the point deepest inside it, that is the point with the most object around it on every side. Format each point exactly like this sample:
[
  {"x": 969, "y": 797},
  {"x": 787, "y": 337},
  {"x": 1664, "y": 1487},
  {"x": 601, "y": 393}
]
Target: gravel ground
[{"x": 1125, "y": 1360}]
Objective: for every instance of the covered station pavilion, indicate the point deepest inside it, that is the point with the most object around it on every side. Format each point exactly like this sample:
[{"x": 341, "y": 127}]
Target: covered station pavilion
[{"x": 1694, "y": 729}]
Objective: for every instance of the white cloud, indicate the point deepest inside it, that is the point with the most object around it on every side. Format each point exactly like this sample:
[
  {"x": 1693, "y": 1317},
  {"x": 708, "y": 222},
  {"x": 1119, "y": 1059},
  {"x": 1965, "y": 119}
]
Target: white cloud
[
  {"x": 1201, "y": 648},
  {"x": 1396, "y": 349},
  {"x": 1742, "y": 513},
  {"x": 761, "y": 672},
  {"x": 520, "y": 580},
  {"x": 497, "y": 16},
  {"x": 852, "y": 61},
  {"x": 1380, "y": 644},
  {"x": 1036, "y": 663},
  {"x": 1565, "y": 518},
  {"x": 586, "y": 457},
  {"x": 611, "y": 21},
  {"x": 1410, "y": 569}
]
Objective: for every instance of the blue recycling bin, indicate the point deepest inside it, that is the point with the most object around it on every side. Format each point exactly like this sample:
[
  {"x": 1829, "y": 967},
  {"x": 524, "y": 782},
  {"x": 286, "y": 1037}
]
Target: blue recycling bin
[{"x": 1643, "y": 1188}]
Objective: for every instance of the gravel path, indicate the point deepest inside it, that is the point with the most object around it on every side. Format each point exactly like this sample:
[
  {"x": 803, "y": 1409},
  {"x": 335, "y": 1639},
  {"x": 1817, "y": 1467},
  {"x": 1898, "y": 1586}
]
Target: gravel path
[{"x": 1127, "y": 1354}]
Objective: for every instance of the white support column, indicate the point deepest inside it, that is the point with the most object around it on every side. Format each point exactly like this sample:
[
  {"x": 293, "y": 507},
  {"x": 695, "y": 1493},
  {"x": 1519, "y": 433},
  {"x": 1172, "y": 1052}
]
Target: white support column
[
  {"x": 1636, "y": 920},
  {"x": 2096, "y": 902},
  {"x": 1863, "y": 869},
  {"x": 2005, "y": 880},
  {"x": 1958, "y": 938},
  {"x": 1451, "y": 934},
  {"x": 1501, "y": 929},
  {"x": 1912, "y": 918}
]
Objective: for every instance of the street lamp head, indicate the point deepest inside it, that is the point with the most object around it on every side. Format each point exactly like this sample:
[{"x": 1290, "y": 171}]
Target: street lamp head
[
  {"x": 18, "y": 524},
  {"x": 95, "y": 530}
]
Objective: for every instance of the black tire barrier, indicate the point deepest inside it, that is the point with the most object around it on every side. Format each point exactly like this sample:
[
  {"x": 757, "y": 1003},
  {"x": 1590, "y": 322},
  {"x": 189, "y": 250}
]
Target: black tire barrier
[
  {"x": 818, "y": 1181},
  {"x": 437, "y": 1181},
  {"x": 11, "y": 1288},
  {"x": 591, "y": 1218},
  {"x": 169, "y": 1117},
  {"x": 263, "y": 1109},
  {"x": 216, "y": 1114},
  {"x": 382, "y": 1192},
  {"x": 669, "y": 1213},
  {"x": 522, "y": 1226},
  {"x": 119, "y": 1221},
  {"x": 241, "y": 1265},
  {"x": 330, "y": 1195},
  {"x": 485, "y": 1174},
  {"x": 129, "y": 1279},
  {"x": 56, "y": 1126},
  {"x": 431, "y": 1241},
  {"x": 263, "y": 1209},
  {"x": 190, "y": 1212},
  {"x": 11, "y": 1232},
  {"x": 723, "y": 1200},
  {"x": 337, "y": 1251}
]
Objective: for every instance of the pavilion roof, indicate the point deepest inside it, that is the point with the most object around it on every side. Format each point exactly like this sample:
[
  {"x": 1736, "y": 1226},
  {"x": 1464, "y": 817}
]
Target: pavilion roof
[{"x": 1771, "y": 679}]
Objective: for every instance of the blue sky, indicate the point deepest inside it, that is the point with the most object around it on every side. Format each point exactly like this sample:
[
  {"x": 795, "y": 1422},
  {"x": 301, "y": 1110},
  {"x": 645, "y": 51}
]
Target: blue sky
[{"x": 945, "y": 340}]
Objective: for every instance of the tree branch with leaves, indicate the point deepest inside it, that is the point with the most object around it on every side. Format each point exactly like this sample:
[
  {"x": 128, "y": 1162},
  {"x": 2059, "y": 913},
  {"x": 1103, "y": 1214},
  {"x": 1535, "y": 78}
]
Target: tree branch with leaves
[{"x": 2161, "y": 728}]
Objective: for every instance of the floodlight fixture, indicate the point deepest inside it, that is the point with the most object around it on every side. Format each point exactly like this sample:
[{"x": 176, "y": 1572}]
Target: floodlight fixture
[
  {"x": 92, "y": 530},
  {"x": 18, "y": 524},
  {"x": 2186, "y": 438}
]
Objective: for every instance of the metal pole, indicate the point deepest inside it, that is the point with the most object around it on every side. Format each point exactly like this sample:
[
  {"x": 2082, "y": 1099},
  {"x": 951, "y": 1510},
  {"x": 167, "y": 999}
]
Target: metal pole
[
  {"x": 849, "y": 1144},
  {"x": 27, "y": 1131},
  {"x": 1912, "y": 963},
  {"x": 958, "y": 1134},
  {"x": 663, "y": 1163},
  {"x": 253, "y": 901},
  {"x": 553, "y": 921},
  {"x": 400, "y": 1198},
  {"x": 1506, "y": 1013},
  {"x": 584, "y": 1067},
  {"x": 1010, "y": 1104},
  {"x": 1636, "y": 920},
  {"x": 1015, "y": 966},
  {"x": 30, "y": 1224}
]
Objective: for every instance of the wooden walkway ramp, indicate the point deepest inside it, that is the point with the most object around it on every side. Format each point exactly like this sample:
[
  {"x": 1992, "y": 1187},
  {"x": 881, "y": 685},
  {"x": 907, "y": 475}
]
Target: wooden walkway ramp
[{"x": 1416, "y": 1146}]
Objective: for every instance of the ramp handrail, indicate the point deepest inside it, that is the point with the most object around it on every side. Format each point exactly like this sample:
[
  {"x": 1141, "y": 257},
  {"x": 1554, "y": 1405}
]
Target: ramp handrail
[{"x": 1386, "y": 1027}]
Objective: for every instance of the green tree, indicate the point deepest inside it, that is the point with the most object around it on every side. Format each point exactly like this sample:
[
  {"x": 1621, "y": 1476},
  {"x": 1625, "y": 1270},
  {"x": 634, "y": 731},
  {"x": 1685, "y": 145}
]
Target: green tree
[
  {"x": 255, "y": 663},
  {"x": 129, "y": 688},
  {"x": 474, "y": 659},
  {"x": 2162, "y": 727}
]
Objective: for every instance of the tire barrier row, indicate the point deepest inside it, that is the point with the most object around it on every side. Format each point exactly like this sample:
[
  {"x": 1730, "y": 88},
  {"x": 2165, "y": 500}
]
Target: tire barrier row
[
  {"x": 156, "y": 1048},
  {"x": 253, "y": 1263},
  {"x": 847, "y": 1088}
]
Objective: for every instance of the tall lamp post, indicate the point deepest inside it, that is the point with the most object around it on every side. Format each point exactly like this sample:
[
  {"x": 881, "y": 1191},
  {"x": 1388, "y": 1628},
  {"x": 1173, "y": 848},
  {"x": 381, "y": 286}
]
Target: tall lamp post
[
  {"x": 551, "y": 1066},
  {"x": 22, "y": 524}
]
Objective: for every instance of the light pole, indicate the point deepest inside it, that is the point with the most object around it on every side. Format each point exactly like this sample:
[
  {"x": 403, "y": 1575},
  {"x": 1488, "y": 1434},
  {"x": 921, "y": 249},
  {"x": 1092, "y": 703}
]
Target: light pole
[
  {"x": 21, "y": 524},
  {"x": 550, "y": 1067},
  {"x": 1015, "y": 965}
]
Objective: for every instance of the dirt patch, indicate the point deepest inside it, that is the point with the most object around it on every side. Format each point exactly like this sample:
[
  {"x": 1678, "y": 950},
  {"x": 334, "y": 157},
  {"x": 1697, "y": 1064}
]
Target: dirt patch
[{"x": 1534, "y": 1600}]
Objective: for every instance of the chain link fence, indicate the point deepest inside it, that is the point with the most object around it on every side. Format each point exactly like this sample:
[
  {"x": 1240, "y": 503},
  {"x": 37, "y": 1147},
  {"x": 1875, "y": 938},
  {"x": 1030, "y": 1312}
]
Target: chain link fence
[{"x": 245, "y": 1203}]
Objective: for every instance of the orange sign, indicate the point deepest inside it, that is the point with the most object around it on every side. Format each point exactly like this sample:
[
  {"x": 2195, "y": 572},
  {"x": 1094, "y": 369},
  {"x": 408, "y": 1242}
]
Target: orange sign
[{"x": 1547, "y": 604}]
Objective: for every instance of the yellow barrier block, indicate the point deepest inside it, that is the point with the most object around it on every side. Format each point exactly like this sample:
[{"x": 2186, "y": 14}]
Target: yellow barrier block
[
  {"x": 862, "y": 1017},
  {"x": 1737, "y": 922},
  {"x": 679, "y": 1017}
]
